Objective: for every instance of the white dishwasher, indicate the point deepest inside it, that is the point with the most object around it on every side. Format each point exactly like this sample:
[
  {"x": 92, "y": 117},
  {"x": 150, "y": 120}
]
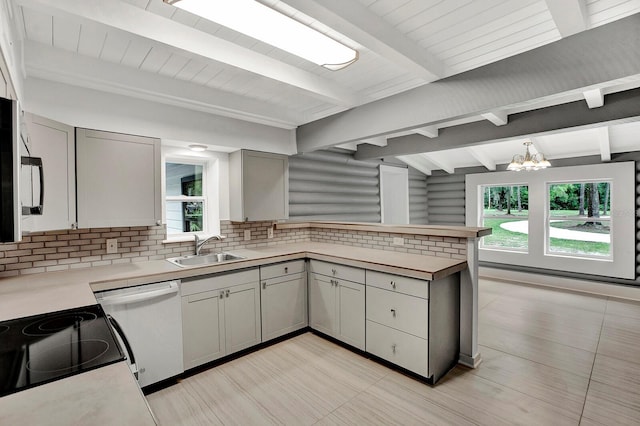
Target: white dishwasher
[{"x": 148, "y": 322}]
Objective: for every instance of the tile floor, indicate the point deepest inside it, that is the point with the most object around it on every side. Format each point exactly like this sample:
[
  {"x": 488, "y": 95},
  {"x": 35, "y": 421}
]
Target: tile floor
[{"x": 550, "y": 358}]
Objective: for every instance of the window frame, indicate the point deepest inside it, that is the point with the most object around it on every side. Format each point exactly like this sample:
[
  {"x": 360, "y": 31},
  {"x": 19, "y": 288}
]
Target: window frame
[{"x": 186, "y": 198}]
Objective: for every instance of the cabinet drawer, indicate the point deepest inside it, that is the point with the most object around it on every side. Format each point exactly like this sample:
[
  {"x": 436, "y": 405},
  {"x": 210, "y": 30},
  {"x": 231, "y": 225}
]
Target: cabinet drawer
[
  {"x": 337, "y": 271},
  {"x": 400, "y": 311},
  {"x": 400, "y": 348},
  {"x": 216, "y": 282},
  {"x": 397, "y": 283},
  {"x": 280, "y": 269}
]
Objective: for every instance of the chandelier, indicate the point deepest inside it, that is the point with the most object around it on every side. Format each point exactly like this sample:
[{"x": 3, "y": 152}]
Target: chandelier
[{"x": 527, "y": 161}]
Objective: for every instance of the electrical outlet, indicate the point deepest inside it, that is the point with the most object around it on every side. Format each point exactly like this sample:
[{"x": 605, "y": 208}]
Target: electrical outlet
[
  {"x": 112, "y": 246},
  {"x": 398, "y": 241},
  {"x": 247, "y": 234},
  {"x": 270, "y": 232}
]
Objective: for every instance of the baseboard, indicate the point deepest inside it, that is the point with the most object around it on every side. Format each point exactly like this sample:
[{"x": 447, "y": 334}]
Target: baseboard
[
  {"x": 545, "y": 280},
  {"x": 470, "y": 361}
]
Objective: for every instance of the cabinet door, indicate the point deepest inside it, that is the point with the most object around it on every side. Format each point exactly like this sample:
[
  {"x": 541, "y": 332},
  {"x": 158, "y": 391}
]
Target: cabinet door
[
  {"x": 118, "y": 178},
  {"x": 242, "y": 316},
  {"x": 351, "y": 314},
  {"x": 322, "y": 304},
  {"x": 55, "y": 143},
  {"x": 203, "y": 327},
  {"x": 259, "y": 186},
  {"x": 284, "y": 305}
]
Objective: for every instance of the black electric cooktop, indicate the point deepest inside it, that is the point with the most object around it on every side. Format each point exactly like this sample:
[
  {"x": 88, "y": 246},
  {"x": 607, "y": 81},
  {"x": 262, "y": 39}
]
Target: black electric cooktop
[{"x": 43, "y": 348}]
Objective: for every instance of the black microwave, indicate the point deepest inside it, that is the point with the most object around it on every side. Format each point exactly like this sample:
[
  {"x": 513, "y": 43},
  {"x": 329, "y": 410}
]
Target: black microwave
[{"x": 9, "y": 170}]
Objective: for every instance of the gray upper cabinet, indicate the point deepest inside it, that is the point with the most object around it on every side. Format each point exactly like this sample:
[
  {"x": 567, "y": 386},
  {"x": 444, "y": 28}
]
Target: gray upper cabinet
[
  {"x": 54, "y": 144},
  {"x": 259, "y": 186},
  {"x": 118, "y": 180}
]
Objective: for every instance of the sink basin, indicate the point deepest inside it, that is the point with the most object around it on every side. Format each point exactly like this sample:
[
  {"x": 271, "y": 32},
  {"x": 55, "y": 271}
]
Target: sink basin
[{"x": 204, "y": 259}]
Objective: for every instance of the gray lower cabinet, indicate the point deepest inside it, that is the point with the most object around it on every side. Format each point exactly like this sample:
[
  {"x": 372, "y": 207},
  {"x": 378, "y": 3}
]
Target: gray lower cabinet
[
  {"x": 336, "y": 304},
  {"x": 413, "y": 323},
  {"x": 220, "y": 316},
  {"x": 283, "y": 298}
]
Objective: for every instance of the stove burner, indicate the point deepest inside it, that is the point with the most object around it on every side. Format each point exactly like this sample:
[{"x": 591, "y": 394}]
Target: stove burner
[
  {"x": 56, "y": 358},
  {"x": 46, "y": 326},
  {"x": 4, "y": 328}
]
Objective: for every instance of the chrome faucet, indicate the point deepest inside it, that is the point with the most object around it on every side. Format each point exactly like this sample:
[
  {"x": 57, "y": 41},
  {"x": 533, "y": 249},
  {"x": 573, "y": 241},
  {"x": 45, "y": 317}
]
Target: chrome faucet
[{"x": 201, "y": 242}]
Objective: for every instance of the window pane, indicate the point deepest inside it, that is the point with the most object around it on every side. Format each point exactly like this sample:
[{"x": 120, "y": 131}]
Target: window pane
[
  {"x": 505, "y": 200},
  {"x": 505, "y": 211},
  {"x": 184, "y": 216},
  {"x": 590, "y": 232},
  {"x": 183, "y": 179}
]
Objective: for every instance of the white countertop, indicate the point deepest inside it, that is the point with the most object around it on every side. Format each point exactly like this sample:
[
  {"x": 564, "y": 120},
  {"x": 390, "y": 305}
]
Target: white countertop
[{"x": 110, "y": 395}]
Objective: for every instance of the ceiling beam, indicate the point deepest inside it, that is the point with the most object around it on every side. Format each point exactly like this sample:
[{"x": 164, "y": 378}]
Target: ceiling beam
[
  {"x": 622, "y": 107},
  {"x": 482, "y": 157},
  {"x": 134, "y": 20},
  {"x": 377, "y": 141},
  {"x": 441, "y": 164},
  {"x": 605, "y": 143},
  {"x": 499, "y": 118},
  {"x": 428, "y": 131},
  {"x": 357, "y": 22},
  {"x": 594, "y": 98},
  {"x": 563, "y": 68},
  {"x": 417, "y": 163},
  {"x": 62, "y": 66},
  {"x": 570, "y": 16}
]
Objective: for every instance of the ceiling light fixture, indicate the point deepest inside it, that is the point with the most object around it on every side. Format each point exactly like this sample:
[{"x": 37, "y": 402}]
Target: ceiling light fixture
[
  {"x": 198, "y": 148},
  {"x": 528, "y": 162},
  {"x": 270, "y": 26}
]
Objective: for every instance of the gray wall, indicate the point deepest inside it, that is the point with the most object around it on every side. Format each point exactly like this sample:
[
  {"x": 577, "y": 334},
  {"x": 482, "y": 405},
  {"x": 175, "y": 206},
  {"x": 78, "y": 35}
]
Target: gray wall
[{"x": 332, "y": 185}]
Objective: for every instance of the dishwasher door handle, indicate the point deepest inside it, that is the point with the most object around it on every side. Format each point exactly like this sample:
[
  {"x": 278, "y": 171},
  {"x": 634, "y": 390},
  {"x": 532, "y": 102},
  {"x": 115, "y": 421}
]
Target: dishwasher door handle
[{"x": 139, "y": 297}]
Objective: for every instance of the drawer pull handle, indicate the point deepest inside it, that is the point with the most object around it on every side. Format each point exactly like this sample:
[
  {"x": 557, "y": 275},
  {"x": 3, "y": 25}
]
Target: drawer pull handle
[
  {"x": 221, "y": 294},
  {"x": 333, "y": 271},
  {"x": 393, "y": 348},
  {"x": 286, "y": 269},
  {"x": 227, "y": 293},
  {"x": 393, "y": 284},
  {"x": 264, "y": 285},
  {"x": 393, "y": 312}
]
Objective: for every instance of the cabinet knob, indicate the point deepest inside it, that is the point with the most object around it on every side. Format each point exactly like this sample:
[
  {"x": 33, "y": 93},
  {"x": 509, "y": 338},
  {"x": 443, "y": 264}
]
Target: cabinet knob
[
  {"x": 221, "y": 294},
  {"x": 264, "y": 285},
  {"x": 393, "y": 285},
  {"x": 227, "y": 293},
  {"x": 393, "y": 348},
  {"x": 333, "y": 271},
  {"x": 286, "y": 269},
  {"x": 393, "y": 312}
]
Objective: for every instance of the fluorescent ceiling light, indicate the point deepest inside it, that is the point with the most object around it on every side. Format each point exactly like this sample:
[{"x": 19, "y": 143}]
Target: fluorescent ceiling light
[{"x": 265, "y": 24}]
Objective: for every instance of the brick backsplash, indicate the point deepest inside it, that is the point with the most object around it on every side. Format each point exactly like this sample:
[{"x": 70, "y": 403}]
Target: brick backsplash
[
  {"x": 448, "y": 247},
  {"x": 82, "y": 248}
]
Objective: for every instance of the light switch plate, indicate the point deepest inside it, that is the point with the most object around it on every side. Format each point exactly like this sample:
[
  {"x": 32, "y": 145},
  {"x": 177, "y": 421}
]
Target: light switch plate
[
  {"x": 112, "y": 246},
  {"x": 247, "y": 234}
]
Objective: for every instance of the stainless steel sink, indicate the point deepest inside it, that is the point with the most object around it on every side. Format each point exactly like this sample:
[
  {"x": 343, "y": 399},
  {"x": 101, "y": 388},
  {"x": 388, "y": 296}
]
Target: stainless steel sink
[{"x": 204, "y": 259}]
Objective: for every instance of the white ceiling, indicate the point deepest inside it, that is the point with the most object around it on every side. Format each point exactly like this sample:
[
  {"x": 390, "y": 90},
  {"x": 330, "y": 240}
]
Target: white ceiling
[{"x": 145, "y": 48}]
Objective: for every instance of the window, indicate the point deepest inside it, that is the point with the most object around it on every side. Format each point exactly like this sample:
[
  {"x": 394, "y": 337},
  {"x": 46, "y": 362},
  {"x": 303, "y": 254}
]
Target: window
[
  {"x": 186, "y": 204},
  {"x": 579, "y": 219},
  {"x": 597, "y": 240},
  {"x": 506, "y": 211}
]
